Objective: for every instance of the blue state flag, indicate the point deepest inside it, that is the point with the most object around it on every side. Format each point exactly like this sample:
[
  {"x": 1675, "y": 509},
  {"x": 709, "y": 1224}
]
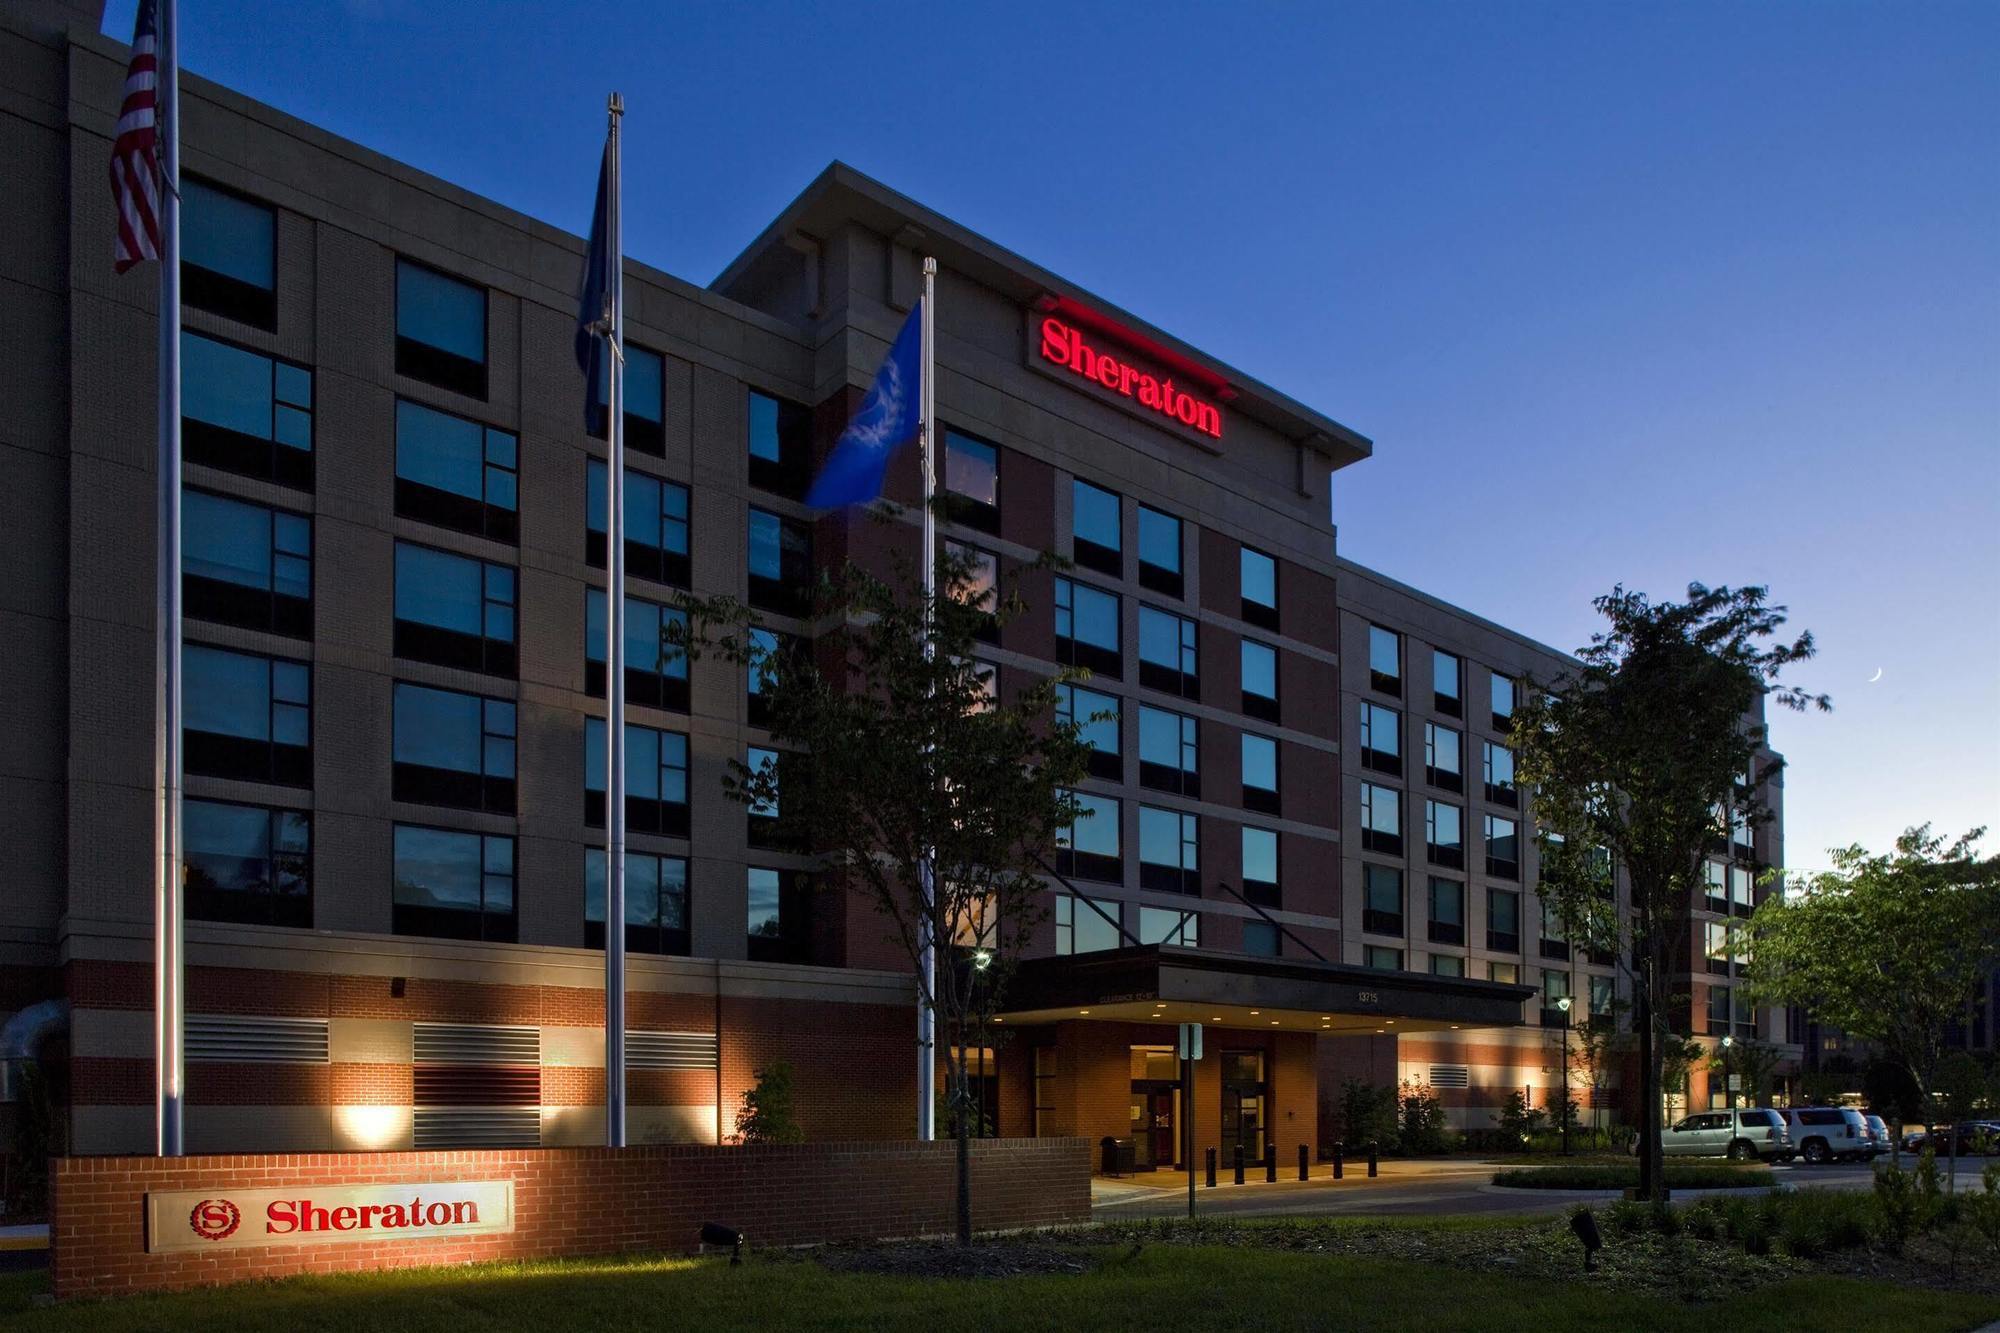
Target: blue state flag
[
  {"x": 594, "y": 315},
  {"x": 888, "y": 419}
]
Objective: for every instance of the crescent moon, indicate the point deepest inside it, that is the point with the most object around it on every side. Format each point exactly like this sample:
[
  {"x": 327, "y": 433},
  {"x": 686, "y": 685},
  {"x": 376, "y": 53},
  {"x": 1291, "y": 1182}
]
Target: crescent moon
[{"x": 1877, "y": 676}]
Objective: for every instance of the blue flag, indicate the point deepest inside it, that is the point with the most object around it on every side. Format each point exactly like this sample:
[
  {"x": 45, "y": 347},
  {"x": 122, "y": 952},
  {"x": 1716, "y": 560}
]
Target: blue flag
[
  {"x": 888, "y": 419},
  {"x": 593, "y": 307}
]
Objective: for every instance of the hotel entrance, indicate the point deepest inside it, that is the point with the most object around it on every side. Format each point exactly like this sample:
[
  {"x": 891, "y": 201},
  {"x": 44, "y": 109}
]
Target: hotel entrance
[
  {"x": 1156, "y": 1096},
  {"x": 1244, "y": 1099}
]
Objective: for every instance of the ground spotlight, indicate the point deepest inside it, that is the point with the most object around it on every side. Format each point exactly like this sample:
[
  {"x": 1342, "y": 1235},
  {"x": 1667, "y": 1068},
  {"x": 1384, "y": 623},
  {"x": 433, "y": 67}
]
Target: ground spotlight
[{"x": 714, "y": 1233}]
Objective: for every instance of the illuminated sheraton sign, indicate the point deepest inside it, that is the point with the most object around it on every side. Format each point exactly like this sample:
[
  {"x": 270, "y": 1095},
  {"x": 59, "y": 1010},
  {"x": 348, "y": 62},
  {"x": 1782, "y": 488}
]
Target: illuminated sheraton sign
[
  {"x": 1065, "y": 345},
  {"x": 208, "y": 1219}
]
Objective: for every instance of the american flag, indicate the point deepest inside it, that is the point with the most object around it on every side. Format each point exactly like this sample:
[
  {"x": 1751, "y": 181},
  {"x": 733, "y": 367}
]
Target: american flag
[{"x": 135, "y": 153}]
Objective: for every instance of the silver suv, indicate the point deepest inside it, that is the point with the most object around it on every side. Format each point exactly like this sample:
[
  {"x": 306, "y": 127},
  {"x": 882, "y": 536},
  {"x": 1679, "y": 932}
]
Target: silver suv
[
  {"x": 1741, "y": 1136},
  {"x": 1829, "y": 1133}
]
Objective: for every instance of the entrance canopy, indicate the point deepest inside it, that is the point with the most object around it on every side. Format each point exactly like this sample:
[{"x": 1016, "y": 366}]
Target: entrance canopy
[{"x": 1160, "y": 983}]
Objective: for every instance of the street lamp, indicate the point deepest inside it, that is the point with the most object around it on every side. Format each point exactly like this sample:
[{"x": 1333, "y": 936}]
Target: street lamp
[
  {"x": 1728, "y": 1093},
  {"x": 1564, "y": 1109}
]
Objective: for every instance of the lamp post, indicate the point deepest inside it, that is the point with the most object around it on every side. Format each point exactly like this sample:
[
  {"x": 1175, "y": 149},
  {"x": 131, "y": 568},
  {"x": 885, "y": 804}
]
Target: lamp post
[
  {"x": 1728, "y": 1093},
  {"x": 1563, "y": 1108}
]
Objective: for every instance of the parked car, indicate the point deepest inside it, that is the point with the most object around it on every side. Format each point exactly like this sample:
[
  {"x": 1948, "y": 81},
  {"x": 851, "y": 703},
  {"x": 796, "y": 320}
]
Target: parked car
[
  {"x": 1973, "y": 1136},
  {"x": 1828, "y": 1134},
  {"x": 1751, "y": 1134},
  {"x": 1879, "y": 1138}
]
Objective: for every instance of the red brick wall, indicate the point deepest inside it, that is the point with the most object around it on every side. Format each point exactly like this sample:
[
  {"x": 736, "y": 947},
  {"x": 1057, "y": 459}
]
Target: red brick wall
[{"x": 574, "y": 1201}]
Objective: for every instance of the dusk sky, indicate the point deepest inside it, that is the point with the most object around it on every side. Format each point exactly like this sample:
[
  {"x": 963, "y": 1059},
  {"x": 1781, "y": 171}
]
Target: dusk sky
[{"x": 1621, "y": 292}]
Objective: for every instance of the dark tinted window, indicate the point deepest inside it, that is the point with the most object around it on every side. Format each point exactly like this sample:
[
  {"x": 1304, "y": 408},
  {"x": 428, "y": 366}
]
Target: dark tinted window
[
  {"x": 1447, "y": 919},
  {"x": 656, "y": 778},
  {"x": 972, "y": 475},
  {"x": 1381, "y": 819},
  {"x": 1382, "y": 899},
  {"x": 656, "y": 525},
  {"x": 1261, "y": 939},
  {"x": 1444, "y": 761},
  {"x": 656, "y": 674},
  {"x": 246, "y": 717},
  {"x": 1499, "y": 765},
  {"x": 1160, "y": 551},
  {"x": 1381, "y": 739},
  {"x": 243, "y": 564},
  {"x": 645, "y": 400},
  {"x": 1095, "y": 522},
  {"x": 781, "y": 564},
  {"x": 1089, "y": 848},
  {"x": 780, "y": 445},
  {"x": 656, "y": 902},
  {"x": 1260, "y": 680},
  {"x": 1385, "y": 660},
  {"x": 453, "y": 749},
  {"x": 229, "y": 248},
  {"x": 1259, "y": 579},
  {"x": 245, "y": 412},
  {"x": 1168, "y": 856},
  {"x": 454, "y": 885},
  {"x": 1087, "y": 628},
  {"x": 1167, "y": 657},
  {"x": 1503, "y": 920},
  {"x": 1447, "y": 683},
  {"x": 1260, "y": 866},
  {"x": 248, "y": 864},
  {"x": 1444, "y": 834},
  {"x": 456, "y": 473},
  {"x": 440, "y": 329},
  {"x": 454, "y": 610},
  {"x": 1260, "y": 773},
  {"x": 1503, "y": 856}
]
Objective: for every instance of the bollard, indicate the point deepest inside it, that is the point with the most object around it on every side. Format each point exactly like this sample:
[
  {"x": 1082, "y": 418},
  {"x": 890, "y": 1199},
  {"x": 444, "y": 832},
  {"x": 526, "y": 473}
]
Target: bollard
[
  {"x": 1339, "y": 1159},
  {"x": 1211, "y": 1168},
  {"x": 1305, "y": 1163},
  {"x": 1239, "y": 1164},
  {"x": 1371, "y": 1159},
  {"x": 1270, "y": 1162}
]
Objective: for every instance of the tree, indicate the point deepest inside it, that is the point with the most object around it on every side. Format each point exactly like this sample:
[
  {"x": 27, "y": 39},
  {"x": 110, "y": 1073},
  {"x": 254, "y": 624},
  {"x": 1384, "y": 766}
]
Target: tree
[
  {"x": 767, "y": 1115},
  {"x": 1630, "y": 757},
  {"x": 1677, "y": 1056},
  {"x": 1751, "y": 1062},
  {"x": 1599, "y": 1048},
  {"x": 1889, "y": 1090},
  {"x": 906, "y": 767},
  {"x": 1886, "y": 947}
]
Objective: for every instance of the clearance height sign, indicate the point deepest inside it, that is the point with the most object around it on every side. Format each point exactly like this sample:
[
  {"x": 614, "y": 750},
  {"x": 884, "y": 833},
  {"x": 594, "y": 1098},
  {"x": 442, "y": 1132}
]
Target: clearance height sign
[{"x": 211, "y": 1219}]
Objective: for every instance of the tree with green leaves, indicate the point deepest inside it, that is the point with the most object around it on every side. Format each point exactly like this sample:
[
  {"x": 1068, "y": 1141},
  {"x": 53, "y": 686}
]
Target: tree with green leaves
[
  {"x": 768, "y": 1114},
  {"x": 1633, "y": 758},
  {"x": 1887, "y": 947},
  {"x": 1752, "y": 1063},
  {"x": 912, "y": 778}
]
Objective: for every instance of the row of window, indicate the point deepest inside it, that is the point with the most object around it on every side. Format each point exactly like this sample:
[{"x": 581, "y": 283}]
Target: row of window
[
  {"x": 1381, "y": 745},
  {"x": 1169, "y": 748},
  {"x": 1097, "y": 528},
  {"x": 1382, "y": 831},
  {"x": 253, "y": 864},
  {"x": 1385, "y": 675},
  {"x": 1092, "y": 848}
]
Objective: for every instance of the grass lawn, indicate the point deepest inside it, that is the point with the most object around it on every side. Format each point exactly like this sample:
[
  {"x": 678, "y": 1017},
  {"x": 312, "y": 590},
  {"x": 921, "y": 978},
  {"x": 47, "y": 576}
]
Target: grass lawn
[
  {"x": 1703, "y": 1176},
  {"x": 1161, "y": 1286}
]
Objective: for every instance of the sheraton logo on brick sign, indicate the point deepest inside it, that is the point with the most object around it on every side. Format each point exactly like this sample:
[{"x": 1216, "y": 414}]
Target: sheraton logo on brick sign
[
  {"x": 208, "y": 1219},
  {"x": 1084, "y": 354}
]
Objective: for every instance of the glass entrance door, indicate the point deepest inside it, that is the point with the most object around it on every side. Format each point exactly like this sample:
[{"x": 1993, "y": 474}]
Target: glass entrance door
[
  {"x": 1243, "y": 1100},
  {"x": 1155, "y": 1100}
]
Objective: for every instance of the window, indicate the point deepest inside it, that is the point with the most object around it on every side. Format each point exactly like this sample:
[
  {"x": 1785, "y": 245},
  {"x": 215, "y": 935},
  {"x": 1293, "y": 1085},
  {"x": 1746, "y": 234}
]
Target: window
[
  {"x": 1603, "y": 998},
  {"x": 454, "y": 610},
  {"x": 1555, "y": 989},
  {"x": 1510, "y": 973},
  {"x": 1260, "y": 680},
  {"x": 1262, "y": 940},
  {"x": 766, "y": 828},
  {"x": 1503, "y": 856},
  {"x": 1168, "y": 860},
  {"x": 1554, "y": 941},
  {"x": 1503, "y": 701},
  {"x": 645, "y": 400},
  {"x": 1447, "y": 684},
  {"x": 1503, "y": 920},
  {"x": 656, "y": 525},
  {"x": 1741, "y": 889},
  {"x": 656, "y": 674},
  {"x": 247, "y": 864},
  {"x": 440, "y": 329},
  {"x": 1167, "y": 659},
  {"x": 1381, "y": 819},
  {"x": 1718, "y": 1009},
  {"x": 1715, "y": 882},
  {"x": 1385, "y": 660},
  {"x": 656, "y": 778},
  {"x": 454, "y": 885},
  {"x": 1381, "y": 739},
  {"x": 1096, "y": 718},
  {"x": 1259, "y": 584},
  {"x": 972, "y": 481},
  {"x": 774, "y": 900},
  {"x": 1447, "y": 920},
  {"x": 1444, "y": 834},
  {"x": 1444, "y": 765},
  {"x": 770, "y": 652},
  {"x": 1447, "y": 965},
  {"x": 979, "y": 588},
  {"x": 1260, "y": 866},
  {"x": 780, "y": 445},
  {"x": 1160, "y": 552},
  {"x": 1089, "y": 848},
  {"x": 1382, "y": 958},
  {"x": 229, "y": 247},
  {"x": 656, "y": 902},
  {"x": 1381, "y": 899},
  {"x": 456, "y": 473},
  {"x": 1169, "y": 758},
  {"x": 1260, "y": 773},
  {"x": 1500, "y": 788},
  {"x": 1086, "y": 925},
  {"x": 246, "y": 717},
  {"x": 453, "y": 749},
  {"x": 1163, "y": 925},
  {"x": 245, "y": 412},
  {"x": 1087, "y": 629},
  {"x": 1739, "y": 831},
  {"x": 243, "y": 564},
  {"x": 1095, "y": 527},
  {"x": 1716, "y": 946},
  {"x": 781, "y": 564}
]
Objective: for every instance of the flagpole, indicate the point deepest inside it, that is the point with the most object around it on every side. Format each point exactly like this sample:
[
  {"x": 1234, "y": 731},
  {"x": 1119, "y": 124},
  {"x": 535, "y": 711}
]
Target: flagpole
[
  {"x": 614, "y": 656},
  {"x": 168, "y": 959},
  {"x": 926, "y": 940}
]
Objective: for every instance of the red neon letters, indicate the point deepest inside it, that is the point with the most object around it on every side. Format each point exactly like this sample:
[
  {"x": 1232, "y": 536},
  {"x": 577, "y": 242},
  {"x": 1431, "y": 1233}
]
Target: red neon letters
[
  {"x": 1065, "y": 346},
  {"x": 285, "y": 1216}
]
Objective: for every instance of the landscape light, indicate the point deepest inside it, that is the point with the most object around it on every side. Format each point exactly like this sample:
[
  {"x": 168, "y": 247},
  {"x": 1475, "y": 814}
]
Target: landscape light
[{"x": 714, "y": 1233}]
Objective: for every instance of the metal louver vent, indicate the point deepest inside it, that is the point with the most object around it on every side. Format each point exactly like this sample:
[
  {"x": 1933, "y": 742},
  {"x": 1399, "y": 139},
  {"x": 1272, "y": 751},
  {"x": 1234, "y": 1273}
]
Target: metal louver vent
[
  {"x": 478, "y": 1127},
  {"x": 475, "y": 1044},
  {"x": 670, "y": 1050},
  {"x": 241, "y": 1039},
  {"x": 1450, "y": 1076}
]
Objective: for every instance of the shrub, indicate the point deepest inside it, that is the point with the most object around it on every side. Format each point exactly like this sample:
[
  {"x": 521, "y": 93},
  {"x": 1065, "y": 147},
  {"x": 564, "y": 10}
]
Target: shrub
[
  {"x": 1899, "y": 1209},
  {"x": 1423, "y": 1128},
  {"x": 1982, "y": 1210},
  {"x": 1812, "y": 1223},
  {"x": 767, "y": 1115},
  {"x": 1518, "y": 1120},
  {"x": 1367, "y": 1114}
]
